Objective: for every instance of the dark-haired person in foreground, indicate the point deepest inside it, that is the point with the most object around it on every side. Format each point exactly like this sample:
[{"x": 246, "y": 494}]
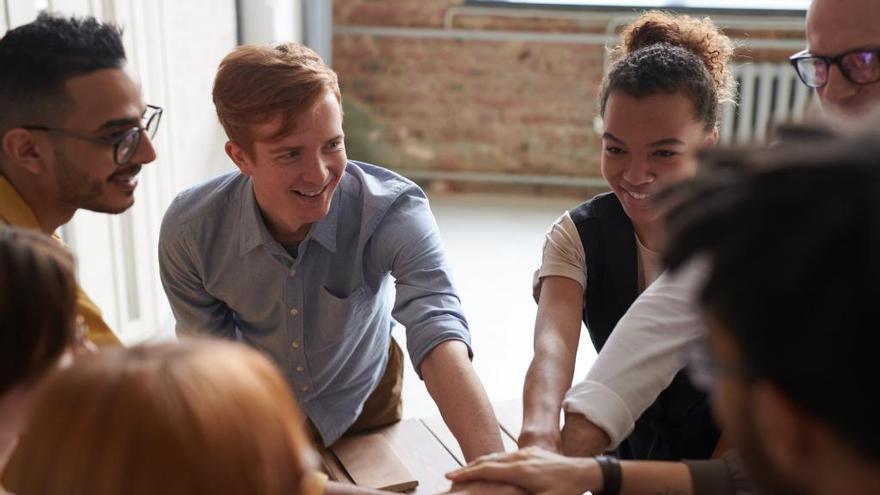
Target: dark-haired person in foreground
[
  {"x": 38, "y": 325},
  {"x": 74, "y": 130},
  {"x": 645, "y": 351},
  {"x": 790, "y": 238}
]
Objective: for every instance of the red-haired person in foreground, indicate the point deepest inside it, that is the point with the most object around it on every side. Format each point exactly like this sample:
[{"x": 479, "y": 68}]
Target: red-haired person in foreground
[{"x": 195, "y": 417}]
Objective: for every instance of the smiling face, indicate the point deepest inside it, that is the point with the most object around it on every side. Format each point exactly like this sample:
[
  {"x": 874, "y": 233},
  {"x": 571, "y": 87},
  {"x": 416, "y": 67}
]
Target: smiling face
[
  {"x": 296, "y": 174},
  {"x": 103, "y": 105},
  {"x": 840, "y": 26},
  {"x": 649, "y": 143}
]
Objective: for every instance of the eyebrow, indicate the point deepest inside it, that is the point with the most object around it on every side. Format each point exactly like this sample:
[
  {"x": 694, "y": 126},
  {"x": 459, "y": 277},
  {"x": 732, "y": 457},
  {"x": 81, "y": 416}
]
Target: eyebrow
[
  {"x": 280, "y": 149},
  {"x": 608, "y": 135},
  {"x": 661, "y": 142},
  {"x": 130, "y": 121},
  {"x": 125, "y": 121},
  {"x": 666, "y": 142},
  {"x": 868, "y": 48}
]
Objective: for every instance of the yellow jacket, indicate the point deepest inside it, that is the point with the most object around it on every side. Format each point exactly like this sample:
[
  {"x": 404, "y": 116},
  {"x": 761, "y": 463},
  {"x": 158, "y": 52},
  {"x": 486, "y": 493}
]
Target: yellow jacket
[{"x": 14, "y": 211}]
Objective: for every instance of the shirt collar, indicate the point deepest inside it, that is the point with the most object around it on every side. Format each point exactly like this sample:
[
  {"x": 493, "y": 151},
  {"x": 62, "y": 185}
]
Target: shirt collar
[
  {"x": 13, "y": 209},
  {"x": 250, "y": 221},
  {"x": 254, "y": 232},
  {"x": 324, "y": 230}
]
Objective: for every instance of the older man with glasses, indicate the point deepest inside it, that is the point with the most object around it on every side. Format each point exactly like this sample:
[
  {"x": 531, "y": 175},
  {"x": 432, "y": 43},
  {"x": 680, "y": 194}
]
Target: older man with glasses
[
  {"x": 842, "y": 59},
  {"x": 74, "y": 130}
]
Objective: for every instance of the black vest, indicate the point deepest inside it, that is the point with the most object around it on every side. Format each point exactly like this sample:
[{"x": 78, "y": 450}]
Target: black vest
[{"x": 678, "y": 425}]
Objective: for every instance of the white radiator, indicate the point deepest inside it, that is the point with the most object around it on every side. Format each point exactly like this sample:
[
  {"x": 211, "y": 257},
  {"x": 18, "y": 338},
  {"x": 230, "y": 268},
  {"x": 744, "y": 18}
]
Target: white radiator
[{"x": 768, "y": 94}]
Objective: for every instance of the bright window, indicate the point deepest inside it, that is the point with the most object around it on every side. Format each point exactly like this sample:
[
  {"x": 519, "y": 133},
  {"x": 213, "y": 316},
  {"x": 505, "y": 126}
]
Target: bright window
[{"x": 761, "y": 5}]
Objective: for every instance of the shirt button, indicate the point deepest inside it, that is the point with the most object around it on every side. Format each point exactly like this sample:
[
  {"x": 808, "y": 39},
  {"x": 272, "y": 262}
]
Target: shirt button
[
  {"x": 304, "y": 388},
  {"x": 300, "y": 369},
  {"x": 295, "y": 344},
  {"x": 294, "y": 312},
  {"x": 292, "y": 273}
]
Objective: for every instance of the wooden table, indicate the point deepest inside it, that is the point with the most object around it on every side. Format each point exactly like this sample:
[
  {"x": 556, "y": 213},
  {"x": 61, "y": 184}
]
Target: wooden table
[{"x": 425, "y": 446}]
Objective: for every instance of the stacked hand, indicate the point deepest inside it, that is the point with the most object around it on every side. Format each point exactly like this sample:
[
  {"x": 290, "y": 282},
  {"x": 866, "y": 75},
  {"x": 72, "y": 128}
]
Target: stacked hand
[
  {"x": 534, "y": 470},
  {"x": 547, "y": 439}
]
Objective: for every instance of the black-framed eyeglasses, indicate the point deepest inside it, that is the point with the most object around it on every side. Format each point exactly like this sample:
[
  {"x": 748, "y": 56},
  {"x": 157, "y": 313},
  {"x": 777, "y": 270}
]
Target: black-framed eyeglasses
[
  {"x": 125, "y": 144},
  {"x": 857, "y": 66}
]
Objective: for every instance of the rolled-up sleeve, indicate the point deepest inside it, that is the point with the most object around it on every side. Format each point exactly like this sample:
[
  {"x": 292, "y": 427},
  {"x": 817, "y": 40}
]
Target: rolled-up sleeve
[
  {"x": 426, "y": 302},
  {"x": 562, "y": 255}
]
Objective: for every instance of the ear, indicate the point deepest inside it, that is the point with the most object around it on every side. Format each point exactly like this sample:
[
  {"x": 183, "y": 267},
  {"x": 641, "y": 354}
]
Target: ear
[
  {"x": 22, "y": 149},
  {"x": 241, "y": 158},
  {"x": 789, "y": 435},
  {"x": 712, "y": 139}
]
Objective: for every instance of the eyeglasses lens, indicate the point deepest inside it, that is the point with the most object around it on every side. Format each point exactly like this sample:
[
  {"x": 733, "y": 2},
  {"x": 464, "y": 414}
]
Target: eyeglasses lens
[
  {"x": 813, "y": 71},
  {"x": 126, "y": 148},
  {"x": 861, "y": 67}
]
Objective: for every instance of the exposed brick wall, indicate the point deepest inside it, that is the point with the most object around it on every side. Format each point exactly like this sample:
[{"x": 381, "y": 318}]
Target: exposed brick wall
[
  {"x": 520, "y": 107},
  {"x": 400, "y": 13}
]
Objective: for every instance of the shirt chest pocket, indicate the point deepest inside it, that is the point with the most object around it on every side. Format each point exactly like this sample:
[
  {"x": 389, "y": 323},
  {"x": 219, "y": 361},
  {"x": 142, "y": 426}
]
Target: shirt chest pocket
[{"x": 342, "y": 317}]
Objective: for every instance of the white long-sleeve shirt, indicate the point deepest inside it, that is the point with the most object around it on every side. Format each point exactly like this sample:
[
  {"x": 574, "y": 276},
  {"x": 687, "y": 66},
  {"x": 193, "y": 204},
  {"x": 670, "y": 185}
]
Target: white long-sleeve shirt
[
  {"x": 647, "y": 347},
  {"x": 645, "y": 351}
]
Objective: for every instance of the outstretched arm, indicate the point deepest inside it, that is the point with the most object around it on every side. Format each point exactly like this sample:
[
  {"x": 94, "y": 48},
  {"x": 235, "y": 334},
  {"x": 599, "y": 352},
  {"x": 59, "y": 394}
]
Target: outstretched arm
[
  {"x": 557, "y": 329},
  {"x": 463, "y": 403},
  {"x": 437, "y": 335}
]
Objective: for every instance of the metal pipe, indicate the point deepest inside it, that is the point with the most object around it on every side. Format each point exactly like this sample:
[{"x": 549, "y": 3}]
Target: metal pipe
[
  {"x": 472, "y": 34},
  {"x": 500, "y": 178},
  {"x": 526, "y": 36},
  {"x": 735, "y": 21},
  {"x": 452, "y": 12}
]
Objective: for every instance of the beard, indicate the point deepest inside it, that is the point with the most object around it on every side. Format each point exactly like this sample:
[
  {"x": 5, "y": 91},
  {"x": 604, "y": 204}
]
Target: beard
[
  {"x": 87, "y": 192},
  {"x": 767, "y": 479}
]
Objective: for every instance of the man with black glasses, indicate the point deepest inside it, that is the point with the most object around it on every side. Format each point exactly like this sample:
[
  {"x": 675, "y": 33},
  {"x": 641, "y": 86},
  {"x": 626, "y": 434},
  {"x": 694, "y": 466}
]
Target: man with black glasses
[
  {"x": 74, "y": 130},
  {"x": 842, "y": 62},
  {"x": 842, "y": 59}
]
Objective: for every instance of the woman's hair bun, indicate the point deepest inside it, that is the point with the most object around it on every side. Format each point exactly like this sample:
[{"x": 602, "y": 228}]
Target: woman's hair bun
[{"x": 700, "y": 36}]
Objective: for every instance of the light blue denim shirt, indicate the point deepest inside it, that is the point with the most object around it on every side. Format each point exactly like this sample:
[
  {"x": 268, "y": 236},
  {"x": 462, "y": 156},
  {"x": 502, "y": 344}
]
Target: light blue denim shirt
[{"x": 325, "y": 317}]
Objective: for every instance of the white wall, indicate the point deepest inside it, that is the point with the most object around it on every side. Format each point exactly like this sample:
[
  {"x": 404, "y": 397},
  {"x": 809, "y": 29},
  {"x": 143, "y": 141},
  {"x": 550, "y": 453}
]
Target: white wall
[
  {"x": 269, "y": 21},
  {"x": 175, "y": 45}
]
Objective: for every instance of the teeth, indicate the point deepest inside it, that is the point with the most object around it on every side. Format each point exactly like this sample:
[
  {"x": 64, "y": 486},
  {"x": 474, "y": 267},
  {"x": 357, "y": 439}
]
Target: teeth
[
  {"x": 309, "y": 194},
  {"x": 638, "y": 196}
]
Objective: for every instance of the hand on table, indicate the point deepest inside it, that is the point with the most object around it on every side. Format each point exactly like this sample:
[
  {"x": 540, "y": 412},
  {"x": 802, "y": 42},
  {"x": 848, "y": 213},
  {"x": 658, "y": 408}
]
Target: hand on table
[{"x": 534, "y": 470}]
